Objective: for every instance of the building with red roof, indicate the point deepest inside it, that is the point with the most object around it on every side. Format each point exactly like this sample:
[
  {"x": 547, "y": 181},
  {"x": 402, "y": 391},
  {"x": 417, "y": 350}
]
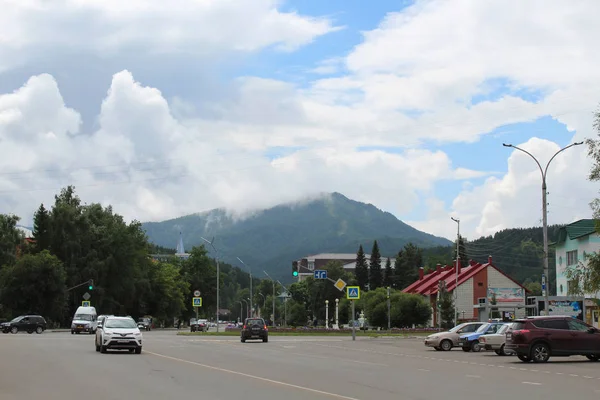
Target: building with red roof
[{"x": 476, "y": 287}]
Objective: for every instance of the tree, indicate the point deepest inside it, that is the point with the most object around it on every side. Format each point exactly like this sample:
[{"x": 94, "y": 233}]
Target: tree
[
  {"x": 408, "y": 310},
  {"x": 375, "y": 277},
  {"x": 408, "y": 262},
  {"x": 41, "y": 229},
  {"x": 362, "y": 270},
  {"x": 11, "y": 238},
  {"x": 462, "y": 251},
  {"x": 388, "y": 278},
  {"x": 35, "y": 284},
  {"x": 446, "y": 306},
  {"x": 535, "y": 288}
]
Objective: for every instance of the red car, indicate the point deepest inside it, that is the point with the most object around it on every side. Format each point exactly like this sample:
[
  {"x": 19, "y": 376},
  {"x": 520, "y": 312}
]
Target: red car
[{"x": 536, "y": 339}]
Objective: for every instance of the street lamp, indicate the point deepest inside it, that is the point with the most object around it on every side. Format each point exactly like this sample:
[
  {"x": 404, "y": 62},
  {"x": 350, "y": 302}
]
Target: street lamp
[
  {"x": 250, "y": 313},
  {"x": 285, "y": 299},
  {"x": 337, "y": 320},
  {"x": 264, "y": 300},
  {"x": 246, "y": 303},
  {"x": 456, "y": 270},
  {"x": 326, "y": 314},
  {"x": 250, "y": 272},
  {"x": 544, "y": 172},
  {"x": 241, "y": 311},
  {"x": 272, "y": 280},
  {"x": 218, "y": 273}
]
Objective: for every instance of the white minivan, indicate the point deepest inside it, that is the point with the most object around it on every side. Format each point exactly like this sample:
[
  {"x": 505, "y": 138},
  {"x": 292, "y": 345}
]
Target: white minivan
[{"x": 84, "y": 320}]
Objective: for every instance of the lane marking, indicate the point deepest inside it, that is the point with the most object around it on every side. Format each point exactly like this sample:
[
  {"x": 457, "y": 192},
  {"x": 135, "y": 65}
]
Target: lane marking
[
  {"x": 472, "y": 376},
  {"x": 424, "y": 370},
  {"x": 307, "y": 389},
  {"x": 531, "y": 383}
]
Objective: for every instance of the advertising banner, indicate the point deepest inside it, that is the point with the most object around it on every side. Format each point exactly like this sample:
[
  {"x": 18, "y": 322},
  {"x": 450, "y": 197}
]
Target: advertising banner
[
  {"x": 506, "y": 295},
  {"x": 571, "y": 308}
]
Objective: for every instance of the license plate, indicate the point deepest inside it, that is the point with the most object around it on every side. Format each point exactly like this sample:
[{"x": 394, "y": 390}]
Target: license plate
[
  {"x": 509, "y": 335},
  {"x": 461, "y": 343},
  {"x": 123, "y": 341}
]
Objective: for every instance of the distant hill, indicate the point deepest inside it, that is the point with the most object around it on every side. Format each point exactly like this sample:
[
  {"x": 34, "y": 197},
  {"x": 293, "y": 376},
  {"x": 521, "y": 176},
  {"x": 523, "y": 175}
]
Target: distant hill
[{"x": 270, "y": 239}]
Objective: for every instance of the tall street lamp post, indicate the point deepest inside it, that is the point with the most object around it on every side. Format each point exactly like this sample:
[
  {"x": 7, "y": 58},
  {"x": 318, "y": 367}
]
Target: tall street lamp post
[
  {"x": 218, "y": 275},
  {"x": 456, "y": 269},
  {"x": 272, "y": 280},
  {"x": 544, "y": 172}
]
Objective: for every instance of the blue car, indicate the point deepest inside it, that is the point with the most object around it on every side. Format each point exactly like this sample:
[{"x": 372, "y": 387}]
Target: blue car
[{"x": 470, "y": 341}]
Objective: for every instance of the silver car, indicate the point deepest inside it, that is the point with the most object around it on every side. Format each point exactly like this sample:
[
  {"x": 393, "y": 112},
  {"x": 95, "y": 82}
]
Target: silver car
[{"x": 447, "y": 340}]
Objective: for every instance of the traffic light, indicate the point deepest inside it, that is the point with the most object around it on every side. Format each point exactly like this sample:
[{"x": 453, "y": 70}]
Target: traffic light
[
  {"x": 91, "y": 286},
  {"x": 295, "y": 268}
]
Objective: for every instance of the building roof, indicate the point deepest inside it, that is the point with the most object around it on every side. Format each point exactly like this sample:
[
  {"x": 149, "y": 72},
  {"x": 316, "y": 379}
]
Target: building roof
[
  {"x": 428, "y": 285},
  {"x": 333, "y": 256},
  {"x": 577, "y": 229}
]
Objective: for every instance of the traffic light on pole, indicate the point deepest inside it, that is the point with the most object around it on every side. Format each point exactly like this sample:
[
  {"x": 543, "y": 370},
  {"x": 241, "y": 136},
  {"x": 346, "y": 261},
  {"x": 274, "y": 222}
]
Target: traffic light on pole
[
  {"x": 91, "y": 286},
  {"x": 295, "y": 268}
]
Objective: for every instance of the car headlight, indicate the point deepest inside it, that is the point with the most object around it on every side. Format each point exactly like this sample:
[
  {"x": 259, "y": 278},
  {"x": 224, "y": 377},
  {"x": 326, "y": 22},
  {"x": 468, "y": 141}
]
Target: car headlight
[
  {"x": 432, "y": 337},
  {"x": 137, "y": 334}
]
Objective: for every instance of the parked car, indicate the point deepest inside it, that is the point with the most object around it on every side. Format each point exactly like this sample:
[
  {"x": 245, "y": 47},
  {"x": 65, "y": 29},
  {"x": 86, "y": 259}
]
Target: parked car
[
  {"x": 496, "y": 341},
  {"x": 25, "y": 323},
  {"x": 118, "y": 333},
  {"x": 537, "y": 339},
  {"x": 447, "y": 340},
  {"x": 470, "y": 341},
  {"x": 254, "y": 328}
]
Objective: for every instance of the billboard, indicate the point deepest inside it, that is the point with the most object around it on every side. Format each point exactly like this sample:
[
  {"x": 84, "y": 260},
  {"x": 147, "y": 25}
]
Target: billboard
[
  {"x": 506, "y": 295},
  {"x": 568, "y": 307}
]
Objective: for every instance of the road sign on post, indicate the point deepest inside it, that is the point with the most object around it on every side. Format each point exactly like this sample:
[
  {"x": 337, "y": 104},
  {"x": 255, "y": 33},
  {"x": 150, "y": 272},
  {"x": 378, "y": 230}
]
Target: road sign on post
[
  {"x": 86, "y": 303},
  {"x": 197, "y": 301},
  {"x": 196, "y": 293},
  {"x": 320, "y": 274},
  {"x": 353, "y": 293},
  {"x": 86, "y": 296},
  {"x": 340, "y": 285}
]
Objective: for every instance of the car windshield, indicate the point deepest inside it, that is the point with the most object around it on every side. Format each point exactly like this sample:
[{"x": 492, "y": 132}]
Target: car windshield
[
  {"x": 120, "y": 323},
  {"x": 457, "y": 327},
  {"x": 503, "y": 329},
  {"x": 255, "y": 322},
  {"x": 17, "y": 319},
  {"x": 83, "y": 317},
  {"x": 483, "y": 328}
]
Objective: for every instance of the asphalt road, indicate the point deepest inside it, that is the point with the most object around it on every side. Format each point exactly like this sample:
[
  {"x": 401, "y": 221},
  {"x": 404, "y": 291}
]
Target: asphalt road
[{"x": 63, "y": 366}]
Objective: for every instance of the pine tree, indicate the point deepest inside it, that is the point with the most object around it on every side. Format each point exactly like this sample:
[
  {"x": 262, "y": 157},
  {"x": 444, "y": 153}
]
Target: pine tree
[
  {"x": 375, "y": 276},
  {"x": 446, "y": 305},
  {"x": 362, "y": 270},
  {"x": 41, "y": 229},
  {"x": 388, "y": 279}
]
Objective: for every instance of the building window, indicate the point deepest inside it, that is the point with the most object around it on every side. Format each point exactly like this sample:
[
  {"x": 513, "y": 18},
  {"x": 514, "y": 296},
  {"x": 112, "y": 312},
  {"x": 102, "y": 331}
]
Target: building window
[
  {"x": 571, "y": 257},
  {"x": 311, "y": 265}
]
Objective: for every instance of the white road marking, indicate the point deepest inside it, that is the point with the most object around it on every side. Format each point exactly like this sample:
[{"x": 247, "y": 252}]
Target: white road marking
[
  {"x": 307, "y": 389},
  {"x": 424, "y": 370},
  {"x": 531, "y": 383},
  {"x": 472, "y": 376}
]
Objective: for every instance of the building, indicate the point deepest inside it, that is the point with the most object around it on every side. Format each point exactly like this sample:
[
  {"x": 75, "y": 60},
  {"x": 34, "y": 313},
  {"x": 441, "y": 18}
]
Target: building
[
  {"x": 479, "y": 287},
  {"x": 575, "y": 242},
  {"x": 308, "y": 264}
]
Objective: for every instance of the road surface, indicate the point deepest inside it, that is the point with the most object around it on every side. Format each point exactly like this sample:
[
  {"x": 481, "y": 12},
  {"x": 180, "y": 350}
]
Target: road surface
[{"x": 63, "y": 366}]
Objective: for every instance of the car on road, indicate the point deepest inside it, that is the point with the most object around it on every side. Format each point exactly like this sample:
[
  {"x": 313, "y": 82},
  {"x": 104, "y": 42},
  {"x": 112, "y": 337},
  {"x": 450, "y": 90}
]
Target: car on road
[
  {"x": 84, "y": 320},
  {"x": 198, "y": 325},
  {"x": 145, "y": 323},
  {"x": 25, "y": 323},
  {"x": 447, "y": 340},
  {"x": 470, "y": 341},
  {"x": 537, "y": 339},
  {"x": 254, "y": 328},
  {"x": 118, "y": 333},
  {"x": 496, "y": 341}
]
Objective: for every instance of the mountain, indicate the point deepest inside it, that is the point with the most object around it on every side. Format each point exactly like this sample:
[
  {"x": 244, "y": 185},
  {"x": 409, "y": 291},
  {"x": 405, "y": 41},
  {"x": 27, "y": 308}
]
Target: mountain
[{"x": 270, "y": 239}]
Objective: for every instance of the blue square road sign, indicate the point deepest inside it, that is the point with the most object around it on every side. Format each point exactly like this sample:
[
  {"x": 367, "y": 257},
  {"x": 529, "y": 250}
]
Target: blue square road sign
[
  {"x": 197, "y": 301},
  {"x": 320, "y": 274},
  {"x": 353, "y": 293}
]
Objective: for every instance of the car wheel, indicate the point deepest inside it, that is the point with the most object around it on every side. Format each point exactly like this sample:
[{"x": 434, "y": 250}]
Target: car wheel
[
  {"x": 540, "y": 353},
  {"x": 476, "y": 346},
  {"x": 103, "y": 349},
  {"x": 523, "y": 358},
  {"x": 446, "y": 345},
  {"x": 30, "y": 331},
  {"x": 138, "y": 350},
  {"x": 14, "y": 330},
  {"x": 97, "y": 347},
  {"x": 466, "y": 349},
  {"x": 502, "y": 352},
  {"x": 242, "y": 340},
  {"x": 438, "y": 348},
  {"x": 593, "y": 357},
  {"x": 265, "y": 340},
  {"x": 72, "y": 332}
]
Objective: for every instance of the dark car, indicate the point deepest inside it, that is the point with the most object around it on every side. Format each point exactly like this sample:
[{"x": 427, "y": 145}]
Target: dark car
[
  {"x": 25, "y": 323},
  {"x": 536, "y": 339},
  {"x": 254, "y": 328},
  {"x": 145, "y": 323},
  {"x": 198, "y": 325}
]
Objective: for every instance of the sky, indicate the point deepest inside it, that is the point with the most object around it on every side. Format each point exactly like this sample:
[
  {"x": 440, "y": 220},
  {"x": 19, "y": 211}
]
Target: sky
[{"x": 166, "y": 109}]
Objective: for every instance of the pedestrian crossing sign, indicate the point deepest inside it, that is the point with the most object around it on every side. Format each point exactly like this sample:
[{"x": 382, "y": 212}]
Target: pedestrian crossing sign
[
  {"x": 197, "y": 301},
  {"x": 353, "y": 293},
  {"x": 86, "y": 303}
]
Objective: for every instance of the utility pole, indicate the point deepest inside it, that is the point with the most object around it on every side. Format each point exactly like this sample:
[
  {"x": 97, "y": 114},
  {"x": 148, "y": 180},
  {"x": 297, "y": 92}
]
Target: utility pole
[
  {"x": 389, "y": 305},
  {"x": 249, "y": 272},
  {"x": 218, "y": 275},
  {"x": 544, "y": 172},
  {"x": 456, "y": 269}
]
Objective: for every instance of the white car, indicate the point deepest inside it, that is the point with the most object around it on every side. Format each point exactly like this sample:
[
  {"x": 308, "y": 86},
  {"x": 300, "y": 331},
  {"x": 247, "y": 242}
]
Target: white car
[
  {"x": 495, "y": 341},
  {"x": 118, "y": 333}
]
